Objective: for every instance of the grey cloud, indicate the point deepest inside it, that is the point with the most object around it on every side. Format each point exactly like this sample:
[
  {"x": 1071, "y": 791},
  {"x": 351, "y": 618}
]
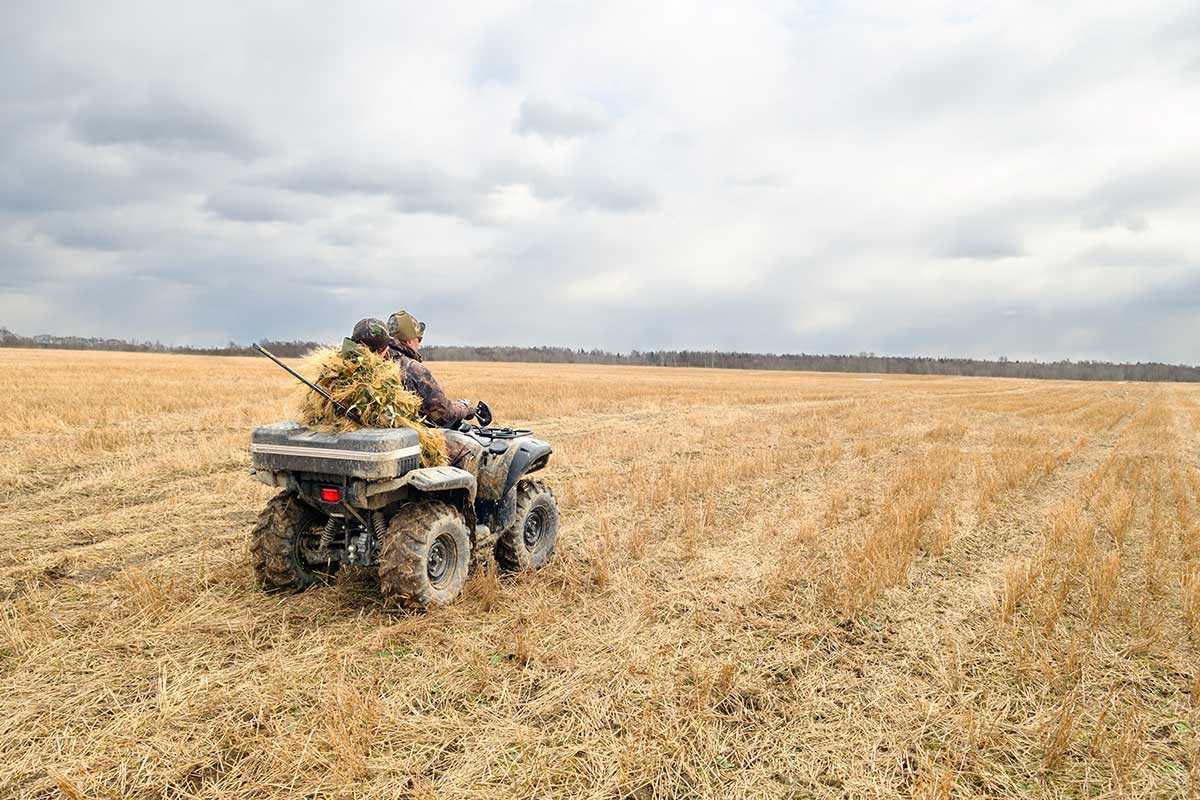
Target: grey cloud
[
  {"x": 30, "y": 76},
  {"x": 496, "y": 58},
  {"x": 435, "y": 194},
  {"x": 759, "y": 180},
  {"x": 218, "y": 295},
  {"x": 256, "y": 204},
  {"x": 974, "y": 74},
  {"x": 20, "y": 261},
  {"x": 613, "y": 195},
  {"x": 156, "y": 307},
  {"x": 990, "y": 327},
  {"x": 1177, "y": 295},
  {"x": 412, "y": 189},
  {"x": 89, "y": 232},
  {"x": 611, "y": 183},
  {"x": 618, "y": 189},
  {"x": 163, "y": 120},
  {"x": 44, "y": 169},
  {"x": 415, "y": 189},
  {"x": 995, "y": 77},
  {"x": 329, "y": 176},
  {"x": 44, "y": 174},
  {"x": 559, "y": 119},
  {"x": 981, "y": 240},
  {"x": 545, "y": 181},
  {"x": 979, "y": 81},
  {"x": 1180, "y": 33},
  {"x": 1112, "y": 218},
  {"x": 1127, "y": 198},
  {"x": 1133, "y": 256}
]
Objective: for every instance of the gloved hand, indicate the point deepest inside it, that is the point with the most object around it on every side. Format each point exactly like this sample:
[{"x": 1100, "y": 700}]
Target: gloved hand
[{"x": 478, "y": 412}]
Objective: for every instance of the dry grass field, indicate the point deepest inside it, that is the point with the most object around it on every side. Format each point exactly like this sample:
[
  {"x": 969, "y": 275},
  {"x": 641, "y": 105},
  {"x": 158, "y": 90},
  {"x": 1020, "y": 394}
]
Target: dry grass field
[{"x": 767, "y": 585}]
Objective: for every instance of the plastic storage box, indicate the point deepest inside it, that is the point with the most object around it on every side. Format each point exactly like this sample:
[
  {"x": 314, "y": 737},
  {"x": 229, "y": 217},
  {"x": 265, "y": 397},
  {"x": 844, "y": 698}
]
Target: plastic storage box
[{"x": 370, "y": 453}]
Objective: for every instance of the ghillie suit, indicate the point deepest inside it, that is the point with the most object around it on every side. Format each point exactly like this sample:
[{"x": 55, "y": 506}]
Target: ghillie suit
[{"x": 372, "y": 387}]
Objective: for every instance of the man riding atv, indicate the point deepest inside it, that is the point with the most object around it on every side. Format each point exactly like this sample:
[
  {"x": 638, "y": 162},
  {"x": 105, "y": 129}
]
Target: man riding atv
[{"x": 400, "y": 341}]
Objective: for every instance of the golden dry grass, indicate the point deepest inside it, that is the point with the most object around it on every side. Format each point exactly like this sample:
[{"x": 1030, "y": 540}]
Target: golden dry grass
[{"x": 768, "y": 585}]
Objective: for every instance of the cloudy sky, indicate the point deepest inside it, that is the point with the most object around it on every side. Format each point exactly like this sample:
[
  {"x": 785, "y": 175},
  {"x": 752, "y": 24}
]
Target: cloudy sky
[{"x": 961, "y": 178}]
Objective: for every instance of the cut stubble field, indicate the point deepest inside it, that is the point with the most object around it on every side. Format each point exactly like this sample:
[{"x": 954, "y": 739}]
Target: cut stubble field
[{"x": 767, "y": 585}]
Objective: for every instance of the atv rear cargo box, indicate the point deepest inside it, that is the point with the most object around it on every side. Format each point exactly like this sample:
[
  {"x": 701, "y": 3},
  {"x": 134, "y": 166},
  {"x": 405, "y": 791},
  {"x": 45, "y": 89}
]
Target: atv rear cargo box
[{"x": 370, "y": 453}]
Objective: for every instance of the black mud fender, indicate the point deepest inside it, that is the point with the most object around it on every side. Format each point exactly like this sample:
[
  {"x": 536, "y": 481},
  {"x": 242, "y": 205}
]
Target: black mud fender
[
  {"x": 531, "y": 455},
  {"x": 506, "y": 460},
  {"x": 496, "y": 504}
]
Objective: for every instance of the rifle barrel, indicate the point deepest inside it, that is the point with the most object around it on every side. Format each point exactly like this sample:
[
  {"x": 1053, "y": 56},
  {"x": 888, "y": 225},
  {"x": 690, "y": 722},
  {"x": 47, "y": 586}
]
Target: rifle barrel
[{"x": 352, "y": 414}]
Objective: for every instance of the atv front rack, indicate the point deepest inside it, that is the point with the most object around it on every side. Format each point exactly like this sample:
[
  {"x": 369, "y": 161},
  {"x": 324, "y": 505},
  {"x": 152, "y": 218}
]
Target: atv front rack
[{"x": 494, "y": 433}]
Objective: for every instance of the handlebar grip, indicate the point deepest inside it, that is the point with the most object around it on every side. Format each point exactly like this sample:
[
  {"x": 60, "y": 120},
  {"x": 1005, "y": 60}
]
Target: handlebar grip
[{"x": 483, "y": 414}]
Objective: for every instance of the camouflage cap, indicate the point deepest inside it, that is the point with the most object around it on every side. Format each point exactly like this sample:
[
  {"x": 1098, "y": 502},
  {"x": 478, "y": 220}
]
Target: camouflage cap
[
  {"x": 405, "y": 326},
  {"x": 371, "y": 332}
]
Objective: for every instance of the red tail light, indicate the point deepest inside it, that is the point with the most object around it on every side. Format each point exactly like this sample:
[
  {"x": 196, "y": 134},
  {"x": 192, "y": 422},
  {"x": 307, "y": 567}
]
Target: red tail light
[{"x": 330, "y": 494}]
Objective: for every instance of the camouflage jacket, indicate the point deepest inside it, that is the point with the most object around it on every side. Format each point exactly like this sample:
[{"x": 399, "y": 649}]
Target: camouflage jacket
[{"x": 417, "y": 378}]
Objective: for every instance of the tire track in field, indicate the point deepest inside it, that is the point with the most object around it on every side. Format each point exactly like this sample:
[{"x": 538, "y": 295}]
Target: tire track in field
[
  {"x": 965, "y": 584},
  {"x": 946, "y": 595},
  {"x": 1185, "y": 422},
  {"x": 917, "y": 636}
]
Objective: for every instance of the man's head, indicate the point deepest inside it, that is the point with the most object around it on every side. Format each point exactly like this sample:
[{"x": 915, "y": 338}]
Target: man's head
[
  {"x": 407, "y": 328},
  {"x": 372, "y": 333}
]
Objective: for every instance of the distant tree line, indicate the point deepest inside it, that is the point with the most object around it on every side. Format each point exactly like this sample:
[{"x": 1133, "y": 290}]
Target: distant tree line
[
  {"x": 862, "y": 362},
  {"x": 291, "y": 349},
  {"x": 807, "y": 362}
]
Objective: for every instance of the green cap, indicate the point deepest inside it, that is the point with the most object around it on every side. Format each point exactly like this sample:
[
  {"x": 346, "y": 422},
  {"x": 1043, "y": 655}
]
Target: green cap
[{"x": 405, "y": 326}]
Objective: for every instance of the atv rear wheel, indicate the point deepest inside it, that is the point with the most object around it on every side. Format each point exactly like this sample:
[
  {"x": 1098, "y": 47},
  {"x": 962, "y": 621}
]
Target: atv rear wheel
[
  {"x": 283, "y": 544},
  {"x": 424, "y": 558},
  {"x": 529, "y": 541}
]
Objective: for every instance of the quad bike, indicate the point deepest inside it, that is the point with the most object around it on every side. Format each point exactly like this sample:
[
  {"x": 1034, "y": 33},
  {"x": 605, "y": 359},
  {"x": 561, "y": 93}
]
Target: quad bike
[{"x": 362, "y": 499}]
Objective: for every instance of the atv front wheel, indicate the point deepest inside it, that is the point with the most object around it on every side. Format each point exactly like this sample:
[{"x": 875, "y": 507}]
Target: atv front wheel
[
  {"x": 529, "y": 541},
  {"x": 283, "y": 545},
  {"x": 423, "y": 561}
]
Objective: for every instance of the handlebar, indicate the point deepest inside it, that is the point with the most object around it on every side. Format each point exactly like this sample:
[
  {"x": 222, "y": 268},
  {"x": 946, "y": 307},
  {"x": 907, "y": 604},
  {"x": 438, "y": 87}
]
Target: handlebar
[{"x": 483, "y": 414}]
